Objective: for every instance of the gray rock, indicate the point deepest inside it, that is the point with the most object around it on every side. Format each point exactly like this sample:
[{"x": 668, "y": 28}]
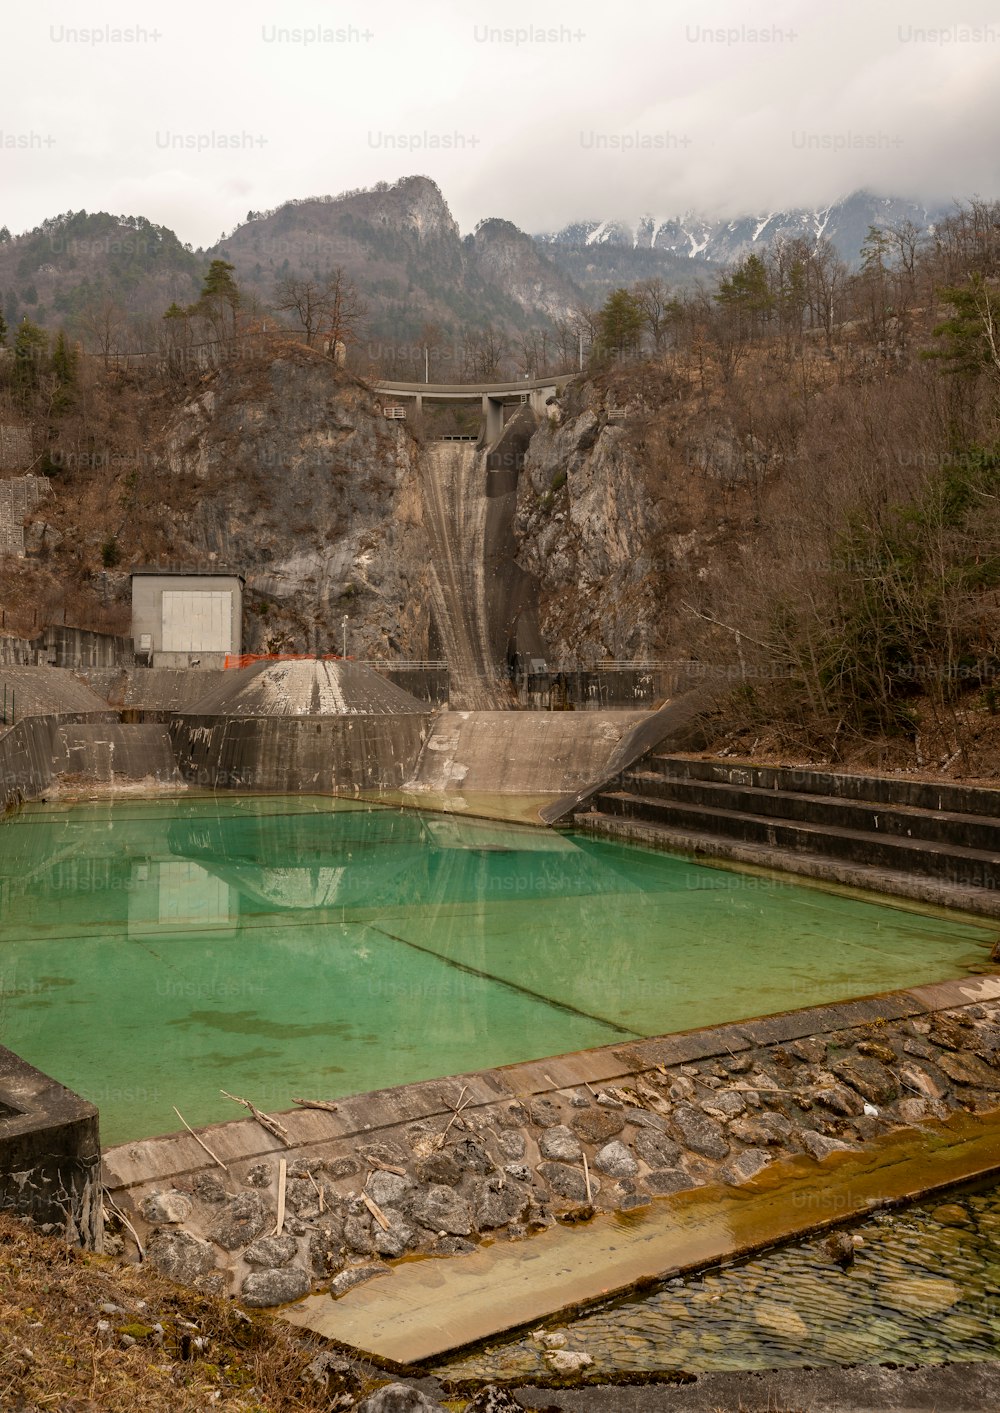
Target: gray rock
[
  {"x": 546, "y": 1113},
  {"x": 923, "y": 1049},
  {"x": 966, "y": 1069},
  {"x": 259, "y": 1175},
  {"x": 615, "y": 1160},
  {"x": 356, "y": 1275},
  {"x": 644, "y": 1118},
  {"x": 744, "y": 1166},
  {"x": 397, "y": 1239},
  {"x": 811, "y": 1050},
  {"x": 243, "y": 1219},
  {"x": 334, "y": 1375},
  {"x": 342, "y": 1167},
  {"x": 208, "y": 1187},
  {"x": 454, "y": 1246},
  {"x": 179, "y": 1255},
  {"x": 326, "y": 1247},
  {"x": 276, "y": 1287},
  {"x": 399, "y": 1398},
  {"x": 608, "y": 1101},
  {"x": 820, "y": 1146},
  {"x": 698, "y": 1132},
  {"x": 172, "y": 1206},
  {"x": 440, "y": 1209},
  {"x": 511, "y": 1143},
  {"x": 472, "y": 1157},
  {"x": 657, "y": 1149},
  {"x": 520, "y": 1172},
  {"x": 387, "y": 1189},
  {"x": 560, "y": 1145},
  {"x": 869, "y": 1077},
  {"x": 727, "y": 1104},
  {"x": 358, "y": 1233},
  {"x": 598, "y": 1125},
  {"x": 839, "y": 1100},
  {"x": 440, "y": 1168},
  {"x": 916, "y": 1079},
  {"x": 666, "y": 1180},
  {"x": 271, "y": 1251},
  {"x": 493, "y": 1399},
  {"x": 306, "y": 1167},
  {"x": 758, "y": 1132},
  {"x": 568, "y": 1182},
  {"x": 498, "y": 1201}
]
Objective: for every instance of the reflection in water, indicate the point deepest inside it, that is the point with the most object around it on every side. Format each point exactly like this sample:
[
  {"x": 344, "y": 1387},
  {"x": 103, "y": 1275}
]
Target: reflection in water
[{"x": 368, "y": 946}]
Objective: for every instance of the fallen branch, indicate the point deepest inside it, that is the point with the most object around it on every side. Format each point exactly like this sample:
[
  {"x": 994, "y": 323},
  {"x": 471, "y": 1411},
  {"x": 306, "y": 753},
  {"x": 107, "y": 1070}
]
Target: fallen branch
[
  {"x": 265, "y": 1121},
  {"x": 282, "y": 1185},
  {"x": 215, "y": 1158},
  {"x": 325, "y": 1104},
  {"x": 125, "y": 1222},
  {"x": 376, "y": 1211},
  {"x": 586, "y": 1174}
]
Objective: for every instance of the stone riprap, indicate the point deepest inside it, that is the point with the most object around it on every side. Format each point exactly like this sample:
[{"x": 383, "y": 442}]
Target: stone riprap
[{"x": 441, "y": 1166}]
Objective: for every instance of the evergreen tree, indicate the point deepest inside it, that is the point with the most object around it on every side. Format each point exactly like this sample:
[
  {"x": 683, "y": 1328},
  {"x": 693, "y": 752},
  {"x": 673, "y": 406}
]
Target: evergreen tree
[
  {"x": 64, "y": 366},
  {"x": 30, "y": 349},
  {"x": 620, "y": 322}
]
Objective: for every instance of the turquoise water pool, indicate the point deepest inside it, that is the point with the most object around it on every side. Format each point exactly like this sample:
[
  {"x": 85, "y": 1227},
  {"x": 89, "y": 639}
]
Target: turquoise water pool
[{"x": 153, "y": 952}]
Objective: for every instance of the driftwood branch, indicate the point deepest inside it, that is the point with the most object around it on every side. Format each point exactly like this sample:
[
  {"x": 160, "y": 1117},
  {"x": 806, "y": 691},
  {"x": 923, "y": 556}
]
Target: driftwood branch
[
  {"x": 265, "y": 1120},
  {"x": 214, "y": 1157}
]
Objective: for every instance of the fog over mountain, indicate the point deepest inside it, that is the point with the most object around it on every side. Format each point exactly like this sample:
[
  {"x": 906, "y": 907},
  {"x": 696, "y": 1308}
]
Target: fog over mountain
[{"x": 195, "y": 115}]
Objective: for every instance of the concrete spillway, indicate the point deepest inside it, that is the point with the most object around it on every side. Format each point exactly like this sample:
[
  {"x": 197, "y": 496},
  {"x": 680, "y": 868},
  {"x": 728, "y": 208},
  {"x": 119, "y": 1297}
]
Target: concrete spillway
[
  {"x": 483, "y": 601},
  {"x": 455, "y": 509}
]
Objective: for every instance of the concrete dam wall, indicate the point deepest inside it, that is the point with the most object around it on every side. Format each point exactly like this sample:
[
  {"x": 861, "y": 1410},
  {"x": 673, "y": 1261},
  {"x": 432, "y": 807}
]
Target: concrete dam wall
[{"x": 483, "y": 601}]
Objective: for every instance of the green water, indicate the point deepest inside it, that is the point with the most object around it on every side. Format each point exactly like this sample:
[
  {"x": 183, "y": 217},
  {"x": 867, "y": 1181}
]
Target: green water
[
  {"x": 153, "y": 952},
  {"x": 924, "y": 1289}
]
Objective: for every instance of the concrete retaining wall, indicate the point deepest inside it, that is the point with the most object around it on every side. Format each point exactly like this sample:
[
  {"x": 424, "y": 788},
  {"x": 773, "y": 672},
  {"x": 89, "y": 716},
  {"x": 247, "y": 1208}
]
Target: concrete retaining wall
[
  {"x": 291, "y": 754},
  {"x": 50, "y": 1154},
  {"x": 25, "y": 760}
]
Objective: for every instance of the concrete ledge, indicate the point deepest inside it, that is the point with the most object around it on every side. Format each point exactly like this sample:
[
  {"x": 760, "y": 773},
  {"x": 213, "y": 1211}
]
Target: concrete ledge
[
  {"x": 716, "y": 849},
  {"x": 50, "y": 1154}
]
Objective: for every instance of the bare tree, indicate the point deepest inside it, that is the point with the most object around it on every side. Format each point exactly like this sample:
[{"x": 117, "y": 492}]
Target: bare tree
[
  {"x": 330, "y": 306},
  {"x": 345, "y": 312},
  {"x": 306, "y": 299},
  {"x": 484, "y": 353},
  {"x": 654, "y": 300}
]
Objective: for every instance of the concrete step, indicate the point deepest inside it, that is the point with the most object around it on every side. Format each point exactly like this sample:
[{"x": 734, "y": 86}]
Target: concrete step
[
  {"x": 962, "y": 867},
  {"x": 888, "y": 790},
  {"x": 936, "y": 826}
]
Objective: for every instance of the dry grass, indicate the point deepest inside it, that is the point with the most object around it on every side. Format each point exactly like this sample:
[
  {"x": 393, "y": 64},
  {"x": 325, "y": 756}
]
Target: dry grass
[{"x": 59, "y": 1350}]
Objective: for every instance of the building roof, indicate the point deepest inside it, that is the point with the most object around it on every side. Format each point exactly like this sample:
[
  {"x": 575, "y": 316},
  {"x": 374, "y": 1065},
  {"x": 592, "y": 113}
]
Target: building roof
[{"x": 157, "y": 571}]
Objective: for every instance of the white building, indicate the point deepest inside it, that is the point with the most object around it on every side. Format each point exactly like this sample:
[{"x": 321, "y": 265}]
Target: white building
[{"x": 186, "y": 619}]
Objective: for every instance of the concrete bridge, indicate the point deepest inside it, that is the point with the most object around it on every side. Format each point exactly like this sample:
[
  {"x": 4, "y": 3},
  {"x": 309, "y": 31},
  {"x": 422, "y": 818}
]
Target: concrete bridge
[{"x": 492, "y": 397}]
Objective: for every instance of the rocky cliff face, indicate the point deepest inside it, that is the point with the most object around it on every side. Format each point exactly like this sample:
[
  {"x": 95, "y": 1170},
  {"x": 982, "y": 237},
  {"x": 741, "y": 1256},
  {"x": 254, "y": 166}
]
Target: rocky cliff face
[
  {"x": 302, "y": 485},
  {"x": 615, "y": 515}
]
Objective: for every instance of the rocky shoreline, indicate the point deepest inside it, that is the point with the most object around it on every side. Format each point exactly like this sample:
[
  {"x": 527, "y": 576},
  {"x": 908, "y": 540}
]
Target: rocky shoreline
[{"x": 334, "y": 1213}]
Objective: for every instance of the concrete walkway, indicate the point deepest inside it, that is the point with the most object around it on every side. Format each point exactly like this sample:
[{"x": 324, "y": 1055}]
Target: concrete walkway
[{"x": 431, "y": 1307}]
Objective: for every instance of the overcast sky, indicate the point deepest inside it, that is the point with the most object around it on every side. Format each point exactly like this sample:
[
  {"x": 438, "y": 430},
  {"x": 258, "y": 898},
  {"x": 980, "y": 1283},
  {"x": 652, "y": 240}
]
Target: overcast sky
[{"x": 544, "y": 113}]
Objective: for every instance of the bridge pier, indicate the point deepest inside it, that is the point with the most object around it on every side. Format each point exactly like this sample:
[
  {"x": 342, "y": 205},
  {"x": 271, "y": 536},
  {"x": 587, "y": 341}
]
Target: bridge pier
[{"x": 492, "y": 418}]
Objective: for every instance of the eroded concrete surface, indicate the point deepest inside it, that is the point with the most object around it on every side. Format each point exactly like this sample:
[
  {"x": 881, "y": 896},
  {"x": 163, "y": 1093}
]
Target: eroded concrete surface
[{"x": 443, "y": 1167}]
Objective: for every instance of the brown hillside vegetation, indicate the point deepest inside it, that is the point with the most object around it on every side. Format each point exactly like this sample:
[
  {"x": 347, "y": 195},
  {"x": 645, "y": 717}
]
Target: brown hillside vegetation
[{"x": 87, "y": 1334}]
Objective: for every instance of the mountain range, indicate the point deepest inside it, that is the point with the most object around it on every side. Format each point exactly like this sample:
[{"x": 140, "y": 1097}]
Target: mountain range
[{"x": 403, "y": 249}]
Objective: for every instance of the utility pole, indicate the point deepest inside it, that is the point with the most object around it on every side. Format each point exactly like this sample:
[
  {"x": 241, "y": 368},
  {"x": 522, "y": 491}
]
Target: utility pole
[
  {"x": 581, "y": 350},
  {"x": 344, "y": 625},
  {"x": 427, "y": 365}
]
